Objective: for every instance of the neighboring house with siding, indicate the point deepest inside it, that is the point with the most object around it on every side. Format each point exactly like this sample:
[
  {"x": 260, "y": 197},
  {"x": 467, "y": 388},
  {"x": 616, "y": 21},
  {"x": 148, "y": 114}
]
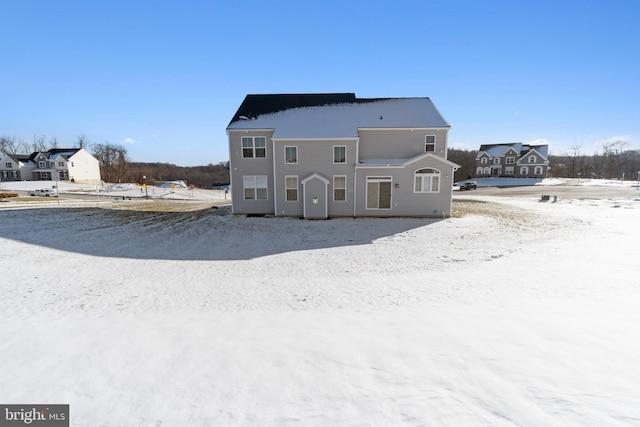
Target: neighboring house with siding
[
  {"x": 335, "y": 155},
  {"x": 514, "y": 160},
  {"x": 57, "y": 164}
]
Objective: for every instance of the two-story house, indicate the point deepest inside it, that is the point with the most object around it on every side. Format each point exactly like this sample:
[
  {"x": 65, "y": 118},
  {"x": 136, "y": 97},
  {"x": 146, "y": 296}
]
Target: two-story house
[
  {"x": 57, "y": 164},
  {"x": 514, "y": 160},
  {"x": 335, "y": 155}
]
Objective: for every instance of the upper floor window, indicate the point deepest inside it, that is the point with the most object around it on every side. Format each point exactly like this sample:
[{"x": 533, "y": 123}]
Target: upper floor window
[
  {"x": 429, "y": 143},
  {"x": 496, "y": 161},
  {"x": 255, "y": 187},
  {"x": 510, "y": 160},
  {"x": 61, "y": 164},
  {"x": 42, "y": 165},
  {"x": 9, "y": 165},
  {"x": 532, "y": 159},
  {"x": 254, "y": 147},
  {"x": 427, "y": 181},
  {"x": 339, "y": 154},
  {"x": 291, "y": 155},
  {"x": 483, "y": 160}
]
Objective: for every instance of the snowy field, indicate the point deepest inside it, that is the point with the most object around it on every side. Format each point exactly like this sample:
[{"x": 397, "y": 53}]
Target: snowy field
[{"x": 514, "y": 312}]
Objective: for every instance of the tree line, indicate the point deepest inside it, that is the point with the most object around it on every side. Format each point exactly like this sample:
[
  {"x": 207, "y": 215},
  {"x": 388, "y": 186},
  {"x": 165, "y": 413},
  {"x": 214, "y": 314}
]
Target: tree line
[
  {"x": 116, "y": 167},
  {"x": 613, "y": 161}
]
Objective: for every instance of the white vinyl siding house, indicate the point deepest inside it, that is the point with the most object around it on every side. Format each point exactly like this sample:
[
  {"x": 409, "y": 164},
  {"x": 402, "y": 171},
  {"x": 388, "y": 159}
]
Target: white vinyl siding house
[{"x": 334, "y": 155}]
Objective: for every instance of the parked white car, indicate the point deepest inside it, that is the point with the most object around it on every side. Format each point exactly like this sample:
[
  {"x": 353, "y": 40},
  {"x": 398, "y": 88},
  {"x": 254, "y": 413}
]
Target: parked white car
[{"x": 43, "y": 192}]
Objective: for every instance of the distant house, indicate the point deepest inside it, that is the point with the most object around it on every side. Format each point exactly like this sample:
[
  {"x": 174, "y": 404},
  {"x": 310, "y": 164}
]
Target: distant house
[
  {"x": 514, "y": 160},
  {"x": 57, "y": 164},
  {"x": 335, "y": 155}
]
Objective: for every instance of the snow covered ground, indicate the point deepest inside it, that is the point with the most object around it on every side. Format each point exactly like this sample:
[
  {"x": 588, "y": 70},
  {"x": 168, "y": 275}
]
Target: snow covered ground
[{"x": 513, "y": 312}]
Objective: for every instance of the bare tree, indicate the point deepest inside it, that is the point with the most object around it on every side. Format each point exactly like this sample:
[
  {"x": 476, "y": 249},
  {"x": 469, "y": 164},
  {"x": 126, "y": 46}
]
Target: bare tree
[
  {"x": 82, "y": 141},
  {"x": 39, "y": 143},
  {"x": 12, "y": 145},
  {"x": 113, "y": 161}
]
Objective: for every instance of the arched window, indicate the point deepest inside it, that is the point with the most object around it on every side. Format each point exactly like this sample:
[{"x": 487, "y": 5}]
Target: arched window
[
  {"x": 427, "y": 181},
  {"x": 479, "y": 172},
  {"x": 487, "y": 171},
  {"x": 483, "y": 160}
]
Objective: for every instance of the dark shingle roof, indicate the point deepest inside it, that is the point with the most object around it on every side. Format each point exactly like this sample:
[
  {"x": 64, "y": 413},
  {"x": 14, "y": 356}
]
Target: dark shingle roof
[{"x": 255, "y": 105}]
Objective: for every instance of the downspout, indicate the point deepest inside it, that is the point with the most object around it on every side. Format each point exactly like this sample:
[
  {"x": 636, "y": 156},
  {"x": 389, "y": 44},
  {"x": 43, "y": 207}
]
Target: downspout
[
  {"x": 275, "y": 195},
  {"x": 355, "y": 176}
]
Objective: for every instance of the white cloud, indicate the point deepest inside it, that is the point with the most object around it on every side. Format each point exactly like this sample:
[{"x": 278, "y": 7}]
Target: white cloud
[
  {"x": 625, "y": 138},
  {"x": 154, "y": 136},
  {"x": 131, "y": 141}
]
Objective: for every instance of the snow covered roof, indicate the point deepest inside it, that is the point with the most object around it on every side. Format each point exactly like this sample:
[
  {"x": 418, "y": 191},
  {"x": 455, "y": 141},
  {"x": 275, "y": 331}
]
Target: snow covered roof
[
  {"x": 499, "y": 150},
  {"x": 343, "y": 119}
]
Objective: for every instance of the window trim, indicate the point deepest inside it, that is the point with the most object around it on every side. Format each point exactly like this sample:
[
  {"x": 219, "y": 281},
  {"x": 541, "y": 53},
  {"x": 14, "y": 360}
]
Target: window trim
[
  {"x": 345, "y": 154},
  {"x": 339, "y": 188},
  {"x": 378, "y": 180},
  {"x": 430, "y": 144},
  {"x": 532, "y": 158},
  {"x": 423, "y": 178},
  {"x": 524, "y": 170},
  {"x": 510, "y": 160},
  {"x": 253, "y": 147},
  {"x": 296, "y": 155},
  {"x": 286, "y": 188},
  {"x": 255, "y": 187},
  {"x": 483, "y": 161}
]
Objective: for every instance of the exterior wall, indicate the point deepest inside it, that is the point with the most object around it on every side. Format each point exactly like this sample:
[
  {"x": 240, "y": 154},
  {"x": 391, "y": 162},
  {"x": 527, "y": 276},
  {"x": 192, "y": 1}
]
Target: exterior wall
[
  {"x": 10, "y": 170},
  {"x": 83, "y": 167},
  {"x": 399, "y": 143},
  {"x": 404, "y": 201},
  {"x": 314, "y": 156},
  {"x": 531, "y": 166},
  {"x": 239, "y": 166}
]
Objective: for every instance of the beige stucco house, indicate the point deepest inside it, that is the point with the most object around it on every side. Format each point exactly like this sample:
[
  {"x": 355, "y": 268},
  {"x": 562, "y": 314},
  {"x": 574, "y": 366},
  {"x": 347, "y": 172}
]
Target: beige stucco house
[
  {"x": 334, "y": 155},
  {"x": 57, "y": 164}
]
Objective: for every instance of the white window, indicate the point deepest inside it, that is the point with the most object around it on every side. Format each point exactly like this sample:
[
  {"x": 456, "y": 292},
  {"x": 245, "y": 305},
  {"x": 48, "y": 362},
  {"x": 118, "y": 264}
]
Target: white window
[
  {"x": 339, "y": 154},
  {"x": 339, "y": 188},
  {"x": 9, "y": 165},
  {"x": 524, "y": 170},
  {"x": 537, "y": 170},
  {"x": 291, "y": 188},
  {"x": 427, "y": 181},
  {"x": 508, "y": 170},
  {"x": 291, "y": 155},
  {"x": 44, "y": 175},
  {"x": 429, "y": 143},
  {"x": 496, "y": 161},
  {"x": 61, "y": 164},
  {"x": 479, "y": 171},
  {"x": 42, "y": 165},
  {"x": 255, "y": 187},
  {"x": 483, "y": 160},
  {"x": 532, "y": 159},
  {"x": 511, "y": 160},
  {"x": 378, "y": 192},
  {"x": 5, "y": 174},
  {"x": 14, "y": 174},
  {"x": 254, "y": 147},
  {"x": 487, "y": 170}
]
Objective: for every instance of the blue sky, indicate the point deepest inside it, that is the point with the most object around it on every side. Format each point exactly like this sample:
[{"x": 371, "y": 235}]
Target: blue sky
[{"x": 164, "y": 78}]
